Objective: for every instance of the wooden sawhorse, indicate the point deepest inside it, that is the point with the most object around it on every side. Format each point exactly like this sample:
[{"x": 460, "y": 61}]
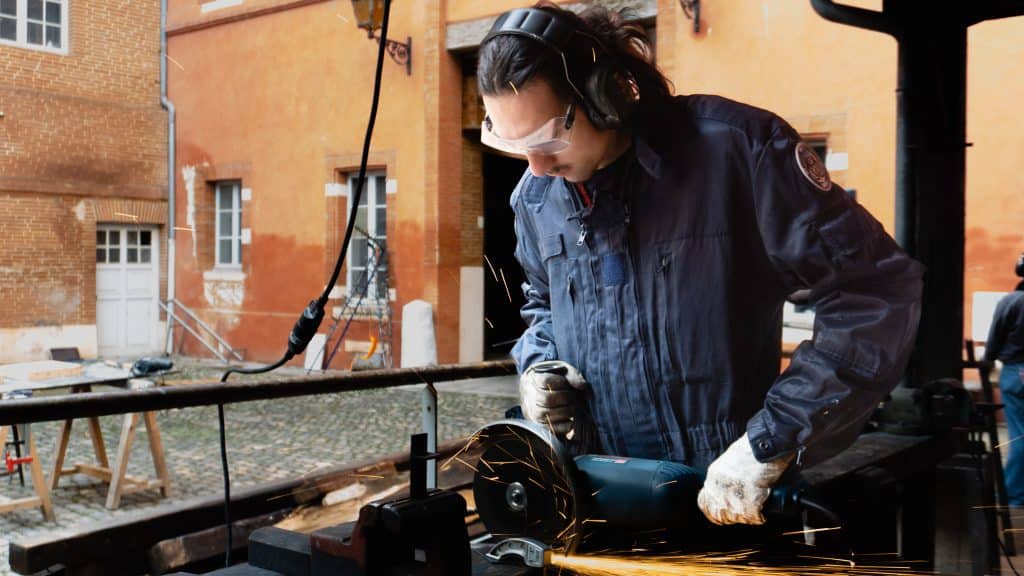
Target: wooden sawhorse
[
  {"x": 42, "y": 497},
  {"x": 120, "y": 482}
]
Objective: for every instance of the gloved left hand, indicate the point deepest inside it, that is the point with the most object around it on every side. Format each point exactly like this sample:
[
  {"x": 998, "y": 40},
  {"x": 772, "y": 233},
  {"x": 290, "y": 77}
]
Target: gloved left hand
[{"x": 737, "y": 485}]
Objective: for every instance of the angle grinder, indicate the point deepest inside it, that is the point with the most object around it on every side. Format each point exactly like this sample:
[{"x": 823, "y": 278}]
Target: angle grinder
[{"x": 535, "y": 498}]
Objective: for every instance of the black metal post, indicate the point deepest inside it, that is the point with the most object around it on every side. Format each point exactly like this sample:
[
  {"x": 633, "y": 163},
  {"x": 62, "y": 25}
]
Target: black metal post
[
  {"x": 418, "y": 459},
  {"x": 931, "y": 110}
]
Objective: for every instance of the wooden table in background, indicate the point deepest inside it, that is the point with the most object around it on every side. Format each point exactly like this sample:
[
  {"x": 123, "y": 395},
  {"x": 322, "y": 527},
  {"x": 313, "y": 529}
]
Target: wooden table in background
[{"x": 120, "y": 482}]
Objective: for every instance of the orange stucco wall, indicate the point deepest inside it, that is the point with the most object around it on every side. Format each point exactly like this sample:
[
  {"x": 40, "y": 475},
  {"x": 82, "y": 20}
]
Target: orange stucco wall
[
  {"x": 277, "y": 100},
  {"x": 995, "y": 184}
]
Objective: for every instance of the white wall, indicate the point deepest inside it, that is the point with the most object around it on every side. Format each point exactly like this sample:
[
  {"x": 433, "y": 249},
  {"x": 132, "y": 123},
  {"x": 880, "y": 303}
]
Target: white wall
[
  {"x": 471, "y": 314},
  {"x": 28, "y": 344}
]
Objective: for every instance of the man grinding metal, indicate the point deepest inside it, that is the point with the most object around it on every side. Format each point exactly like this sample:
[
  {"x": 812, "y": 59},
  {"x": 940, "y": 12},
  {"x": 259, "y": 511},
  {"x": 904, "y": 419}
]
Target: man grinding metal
[{"x": 660, "y": 236}]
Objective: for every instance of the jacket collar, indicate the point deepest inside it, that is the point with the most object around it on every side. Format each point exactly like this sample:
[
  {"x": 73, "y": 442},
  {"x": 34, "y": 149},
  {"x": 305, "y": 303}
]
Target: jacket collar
[{"x": 648, "y": 158}]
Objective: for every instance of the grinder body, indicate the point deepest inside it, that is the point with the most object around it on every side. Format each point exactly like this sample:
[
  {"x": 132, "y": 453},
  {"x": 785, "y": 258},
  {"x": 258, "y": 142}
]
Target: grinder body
[{"x": 636, "y": 494}]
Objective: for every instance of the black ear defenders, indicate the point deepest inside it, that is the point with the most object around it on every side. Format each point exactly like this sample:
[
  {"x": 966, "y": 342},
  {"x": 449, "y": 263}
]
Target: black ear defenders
[
  {"x": 1019, "y": 269},
  {"x": 603, "y": 88}
]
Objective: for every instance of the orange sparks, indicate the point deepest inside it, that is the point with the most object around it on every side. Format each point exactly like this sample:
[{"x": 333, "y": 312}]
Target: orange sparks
[
  {"x": 738, "y": 564},
  {"x": 811, "y": 531}
]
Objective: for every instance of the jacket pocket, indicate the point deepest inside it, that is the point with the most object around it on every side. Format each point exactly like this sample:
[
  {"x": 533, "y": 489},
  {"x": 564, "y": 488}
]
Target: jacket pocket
[
  {"x": 845, "y": 234},
  {"x": 551, "y": 245},
  {"x": 667, "y": 310},
  {"x": 563, "y": 290}
]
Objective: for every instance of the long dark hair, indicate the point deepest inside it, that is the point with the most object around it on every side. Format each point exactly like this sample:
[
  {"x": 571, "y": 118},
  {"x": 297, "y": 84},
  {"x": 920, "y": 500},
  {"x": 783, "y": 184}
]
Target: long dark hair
[{"x": 506, "y": 60}]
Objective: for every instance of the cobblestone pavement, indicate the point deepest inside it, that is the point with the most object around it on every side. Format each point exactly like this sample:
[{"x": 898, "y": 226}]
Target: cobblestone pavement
[{"x": 267, "y": 441}]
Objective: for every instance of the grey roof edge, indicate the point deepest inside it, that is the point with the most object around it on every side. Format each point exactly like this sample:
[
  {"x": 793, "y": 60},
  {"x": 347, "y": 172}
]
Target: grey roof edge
[{"x": 466, "y": 36}]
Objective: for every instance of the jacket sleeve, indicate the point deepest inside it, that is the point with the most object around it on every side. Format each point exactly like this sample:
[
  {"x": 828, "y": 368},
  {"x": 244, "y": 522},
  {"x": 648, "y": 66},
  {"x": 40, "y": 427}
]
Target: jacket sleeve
[
  {"x": 538, "y": 340},
  {"x": 867, "y": 294}
]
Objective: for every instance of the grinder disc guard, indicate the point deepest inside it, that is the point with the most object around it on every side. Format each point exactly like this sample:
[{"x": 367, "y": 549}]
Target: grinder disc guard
[{"x": 524, "y": 484}]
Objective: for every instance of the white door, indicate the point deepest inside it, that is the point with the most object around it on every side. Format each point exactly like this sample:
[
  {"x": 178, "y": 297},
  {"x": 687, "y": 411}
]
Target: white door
[{"x": 127, "y": 290}]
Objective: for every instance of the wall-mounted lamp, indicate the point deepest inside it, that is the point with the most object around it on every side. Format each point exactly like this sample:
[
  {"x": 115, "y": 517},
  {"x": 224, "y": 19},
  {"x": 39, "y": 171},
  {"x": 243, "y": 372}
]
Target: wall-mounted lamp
[
  {"x": 692, "y": 10},
  {"x": 369, "y": 16}
]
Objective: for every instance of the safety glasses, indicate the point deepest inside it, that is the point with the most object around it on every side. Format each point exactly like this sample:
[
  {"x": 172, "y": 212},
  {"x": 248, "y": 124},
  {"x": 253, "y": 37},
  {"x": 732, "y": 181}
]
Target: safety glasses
[{"x": 552, "y": 137}]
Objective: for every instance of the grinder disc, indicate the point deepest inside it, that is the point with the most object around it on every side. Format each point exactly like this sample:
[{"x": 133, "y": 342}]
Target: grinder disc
[{"x": 524, "y": 484}]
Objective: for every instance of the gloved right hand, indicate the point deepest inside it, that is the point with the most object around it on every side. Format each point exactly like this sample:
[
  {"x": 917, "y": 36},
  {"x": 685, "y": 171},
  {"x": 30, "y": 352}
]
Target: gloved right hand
[{"x": 548, "y": 392}]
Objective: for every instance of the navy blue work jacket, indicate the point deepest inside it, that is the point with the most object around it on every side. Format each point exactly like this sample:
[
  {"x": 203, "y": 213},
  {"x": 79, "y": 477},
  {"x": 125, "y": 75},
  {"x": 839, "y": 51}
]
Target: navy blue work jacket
[{"x": 667, "y": 291}]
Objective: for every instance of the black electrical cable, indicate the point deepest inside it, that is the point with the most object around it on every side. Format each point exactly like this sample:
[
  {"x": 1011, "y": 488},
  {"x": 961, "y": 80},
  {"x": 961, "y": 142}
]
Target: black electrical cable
[
  {"x": 807, "y": 503},
  {"x": 308, "y": 323},
  {"x": 828, "y": 514}
]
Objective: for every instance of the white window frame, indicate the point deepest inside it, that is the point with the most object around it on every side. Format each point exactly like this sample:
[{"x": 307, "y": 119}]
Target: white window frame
[
  {"x": 235, "y": 234},
  {"x": 22, "y": 21},
  {"x": 374, "y": 180}
]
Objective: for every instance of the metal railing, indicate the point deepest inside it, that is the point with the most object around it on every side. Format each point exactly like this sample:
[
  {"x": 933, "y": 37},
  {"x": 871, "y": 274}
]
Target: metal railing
[
  {"x": 171, "y": 305},
  {"x": 61, "y": 407}
]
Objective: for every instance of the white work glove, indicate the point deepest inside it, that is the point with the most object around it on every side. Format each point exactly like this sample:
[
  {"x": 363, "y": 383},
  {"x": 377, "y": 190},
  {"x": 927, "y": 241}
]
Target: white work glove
[
  {"x": 548, "y": 392},
  {"x": 737, "y": 485}
]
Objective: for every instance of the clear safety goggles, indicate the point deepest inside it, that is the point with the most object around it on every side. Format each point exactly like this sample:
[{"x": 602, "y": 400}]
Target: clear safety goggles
[{"x": 552, "y": 137}]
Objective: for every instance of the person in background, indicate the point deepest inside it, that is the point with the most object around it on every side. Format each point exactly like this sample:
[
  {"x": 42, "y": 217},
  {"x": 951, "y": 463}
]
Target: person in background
[{"x": 1006, "y": 344}]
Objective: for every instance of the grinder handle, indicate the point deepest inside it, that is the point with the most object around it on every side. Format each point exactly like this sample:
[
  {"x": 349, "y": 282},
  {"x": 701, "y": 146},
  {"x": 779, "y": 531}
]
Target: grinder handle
[
  {"x": 581, "y": 437},
  {"x": 550, "y": 368}
]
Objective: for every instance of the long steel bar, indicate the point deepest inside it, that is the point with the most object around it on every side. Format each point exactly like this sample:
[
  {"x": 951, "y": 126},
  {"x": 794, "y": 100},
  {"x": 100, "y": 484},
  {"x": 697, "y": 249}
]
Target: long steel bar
[{"x": 42, "y": 409}]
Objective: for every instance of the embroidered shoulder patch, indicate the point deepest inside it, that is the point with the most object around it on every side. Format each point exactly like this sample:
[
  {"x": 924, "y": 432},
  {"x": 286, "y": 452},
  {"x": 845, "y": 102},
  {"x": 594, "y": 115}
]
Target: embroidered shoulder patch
[{"x": 812, "y": 167}]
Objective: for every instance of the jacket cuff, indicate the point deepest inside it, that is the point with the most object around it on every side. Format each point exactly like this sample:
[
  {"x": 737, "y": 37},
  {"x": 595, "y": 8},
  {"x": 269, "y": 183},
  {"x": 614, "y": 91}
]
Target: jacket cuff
[{"x": 765, "y": 445}]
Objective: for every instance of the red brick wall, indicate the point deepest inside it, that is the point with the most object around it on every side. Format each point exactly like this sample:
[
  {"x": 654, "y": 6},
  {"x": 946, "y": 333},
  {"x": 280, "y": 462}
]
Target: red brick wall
[
  {"x": 82, "y": 139},
  {"x": 472, "y": 239},
  {"x": 47, "y": 264},
  {"x": 113, "y": 55},
  {"x": 54, "y": 143},
  {"x": 88, "y": 122},
  {"x": 48, "y": 258}
]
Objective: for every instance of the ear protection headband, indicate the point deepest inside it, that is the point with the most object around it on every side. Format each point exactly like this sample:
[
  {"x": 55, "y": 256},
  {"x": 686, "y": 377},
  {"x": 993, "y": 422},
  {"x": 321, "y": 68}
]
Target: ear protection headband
[{"x": 602, "y": 89}]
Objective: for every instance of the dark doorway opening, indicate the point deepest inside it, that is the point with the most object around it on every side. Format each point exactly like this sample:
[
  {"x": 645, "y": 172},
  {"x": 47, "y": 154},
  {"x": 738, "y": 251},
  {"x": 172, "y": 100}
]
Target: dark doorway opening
[{"x": 503, "y": 278}]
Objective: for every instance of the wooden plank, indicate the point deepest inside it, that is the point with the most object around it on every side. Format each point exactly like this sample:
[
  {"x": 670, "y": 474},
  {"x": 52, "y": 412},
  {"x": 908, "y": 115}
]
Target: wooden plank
[
  {"x": 183, "y": 551},
  {"x": 39, "y": 481},
  {"x": 93, "y": 470},
  {"x": 41, "y": 370},
  {"x": 143, "y": 487},
  {"x": 131, "y": 483},
  {"x": 63, "y": 437},
  {"x": 310, "y": 518},
  {"x": 156, "y": 449},
  {"x": 20, "y": 504},
  {"x": 92, "y": 374},
  {"x": 98, "y": 447},
  {"x": 124, "y": 450}
]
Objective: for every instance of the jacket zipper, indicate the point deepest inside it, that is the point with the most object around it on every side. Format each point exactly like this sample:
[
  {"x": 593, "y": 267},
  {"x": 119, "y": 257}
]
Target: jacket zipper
[
  {"x": 647, "y": 349},
  {"x": 574, "y": 198}
]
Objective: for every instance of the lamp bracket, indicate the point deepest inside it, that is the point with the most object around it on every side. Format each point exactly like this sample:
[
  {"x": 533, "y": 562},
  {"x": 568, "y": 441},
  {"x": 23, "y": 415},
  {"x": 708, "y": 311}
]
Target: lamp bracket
[{"x": 692, "y": 10}]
